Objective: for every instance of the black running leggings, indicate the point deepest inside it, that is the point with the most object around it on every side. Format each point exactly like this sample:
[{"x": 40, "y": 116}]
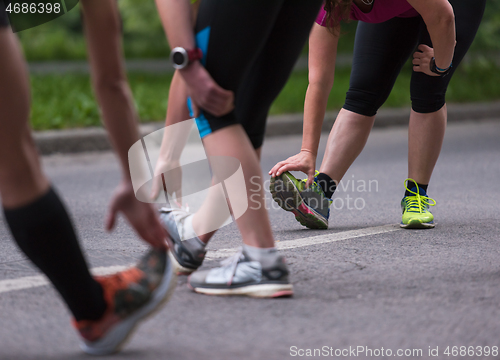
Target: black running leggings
[
  {"x": 381, "y": 50},
  {"x": 250, "y": 47}
]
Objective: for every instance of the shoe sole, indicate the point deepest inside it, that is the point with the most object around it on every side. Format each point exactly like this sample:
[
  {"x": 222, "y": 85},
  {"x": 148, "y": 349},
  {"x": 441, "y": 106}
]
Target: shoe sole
[
  {"x": 179, "y": 269},
  {"x": 417, "y": 224},
  {"x": 119, "y": 335},
  {"x": 254, "y": 291},
  {"x": 289, "y": 199}
]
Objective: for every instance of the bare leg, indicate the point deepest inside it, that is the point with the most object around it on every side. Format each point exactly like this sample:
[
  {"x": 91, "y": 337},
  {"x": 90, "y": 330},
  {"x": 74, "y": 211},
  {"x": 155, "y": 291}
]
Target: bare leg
[
  {"x": 48, "y": 238},
  {"x": 346, "y": 141},
  {"x": 170, "y": 153},
  {"x": 425, "y": 139},
  {"x": 259, "y": 153},
  {"x": 177, "y": 111},
  {"x": 207, "y": 208},
  {"x": 38, "y": 220},
  {"x": 254, "y": 225},
  {"x": 177, "y": 101},
  {"x": 173, "y": 142},
  {"x": 21, "y": 176}
]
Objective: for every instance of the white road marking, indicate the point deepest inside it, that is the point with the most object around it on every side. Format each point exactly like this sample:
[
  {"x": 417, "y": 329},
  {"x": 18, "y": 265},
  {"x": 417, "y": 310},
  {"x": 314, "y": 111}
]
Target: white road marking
[
  {"x": 40, "y": 280},
  {"x": 314, "y": 240}
]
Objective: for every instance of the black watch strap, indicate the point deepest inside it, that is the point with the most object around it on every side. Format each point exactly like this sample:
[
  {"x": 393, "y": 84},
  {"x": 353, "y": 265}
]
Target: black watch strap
[{"x": 440, "y": 72}]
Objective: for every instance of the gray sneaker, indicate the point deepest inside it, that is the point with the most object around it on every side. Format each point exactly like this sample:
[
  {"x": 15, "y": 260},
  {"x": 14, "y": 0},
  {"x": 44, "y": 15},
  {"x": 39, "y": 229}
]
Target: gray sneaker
[
  {"x": 239, "y": 275},
  {"x": 185, "y": 250}
]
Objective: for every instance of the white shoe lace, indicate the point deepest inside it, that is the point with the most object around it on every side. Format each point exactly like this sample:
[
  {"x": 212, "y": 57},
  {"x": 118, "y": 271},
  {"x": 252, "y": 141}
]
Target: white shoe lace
[
  {"x": 179, "y": 205},
  {"x": 180, "y": 214},
  {"x": 232, "y": 263}
]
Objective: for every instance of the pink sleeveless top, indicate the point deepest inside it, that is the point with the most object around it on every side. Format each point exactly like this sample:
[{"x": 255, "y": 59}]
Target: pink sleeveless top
[{"x": 382, "y": 10}]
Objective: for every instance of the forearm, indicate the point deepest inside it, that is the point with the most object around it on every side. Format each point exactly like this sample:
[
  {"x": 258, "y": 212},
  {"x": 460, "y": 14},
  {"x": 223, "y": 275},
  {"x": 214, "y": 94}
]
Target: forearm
[
  {"x": 120, "y": 120},
  {"x": 204, "y": 91},
  {"x": 177, "y": 110},
  {"x": 314, "y": 113},
  {"x": 176, "y": 17},
  {"x": 175, "y": 137},
  {"x": 103, "y": 34},
  {"x": 443, "y": 52},
  {"x": 443, "y": 39},
  {"x": 322, "y": 59},
  {"x": 440, "y": 21},
  {"x": 177, "y": 21}
]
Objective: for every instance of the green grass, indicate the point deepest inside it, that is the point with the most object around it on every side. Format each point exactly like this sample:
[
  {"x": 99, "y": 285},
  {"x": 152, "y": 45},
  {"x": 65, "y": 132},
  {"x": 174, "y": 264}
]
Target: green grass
[
  {"x": 63, "y": 39},
  {"x": 67, "y": 101},
  {"x": 143, "y": 36},
  {"x": 476, "y": 82}
]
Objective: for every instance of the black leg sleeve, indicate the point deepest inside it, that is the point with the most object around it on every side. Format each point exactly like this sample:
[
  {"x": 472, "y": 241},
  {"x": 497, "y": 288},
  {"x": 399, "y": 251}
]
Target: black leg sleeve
[{"x": 44, "y": 232}]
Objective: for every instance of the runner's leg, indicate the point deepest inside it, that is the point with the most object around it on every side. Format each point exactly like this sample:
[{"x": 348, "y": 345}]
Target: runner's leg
[
  {"x": 428, "y": 116},
  {"x": 37, "y": 218},
  {"x": 380, "y": 51},
  {"x": 270, "y": 22}
]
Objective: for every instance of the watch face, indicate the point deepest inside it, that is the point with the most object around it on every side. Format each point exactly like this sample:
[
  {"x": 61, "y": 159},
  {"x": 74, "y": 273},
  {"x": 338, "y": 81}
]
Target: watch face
[{"x": 178, "y": 58}]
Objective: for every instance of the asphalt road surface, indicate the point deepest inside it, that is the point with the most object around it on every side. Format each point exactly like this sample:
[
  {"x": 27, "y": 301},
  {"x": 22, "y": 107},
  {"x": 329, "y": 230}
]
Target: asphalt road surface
[{"x": 361, "y": 284}]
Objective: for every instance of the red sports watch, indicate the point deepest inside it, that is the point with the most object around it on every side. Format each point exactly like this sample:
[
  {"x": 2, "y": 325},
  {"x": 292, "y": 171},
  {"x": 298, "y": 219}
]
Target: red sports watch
[{"x": 182, "y": 57}]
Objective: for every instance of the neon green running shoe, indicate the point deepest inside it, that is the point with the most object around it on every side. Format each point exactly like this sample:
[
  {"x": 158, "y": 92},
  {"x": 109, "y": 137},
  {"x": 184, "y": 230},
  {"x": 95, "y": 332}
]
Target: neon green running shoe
[
  {"x": 310, "y": 205},
  {"x": 416, "y": 214}
]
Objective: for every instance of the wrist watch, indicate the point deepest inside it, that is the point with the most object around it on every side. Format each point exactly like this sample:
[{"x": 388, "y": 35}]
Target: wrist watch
[
  {"x": 181, "y": 57},
  {"x": 439, "y": 71}
]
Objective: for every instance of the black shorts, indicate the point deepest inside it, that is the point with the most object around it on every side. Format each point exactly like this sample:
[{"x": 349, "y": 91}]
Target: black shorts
[
  {"x": 381, "y": 50},
  {"x": 4, "y": 20},
  {"x": 250, "y": 48}
]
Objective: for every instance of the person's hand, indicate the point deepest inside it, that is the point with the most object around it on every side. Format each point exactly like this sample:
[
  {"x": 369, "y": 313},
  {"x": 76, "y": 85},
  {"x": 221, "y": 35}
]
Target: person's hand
[
  {"x": 304, "y": 161},
  {"x": 172, "y": 172},
  {"x": 422, "y": 60},
  {"x": 141, "y": 216},
  {"x": 205, "y": 93}
]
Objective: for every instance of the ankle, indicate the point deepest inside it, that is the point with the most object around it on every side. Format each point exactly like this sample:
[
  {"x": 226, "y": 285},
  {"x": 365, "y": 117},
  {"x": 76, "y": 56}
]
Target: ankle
[
  {"x": 412, "y": 185},
  {"x": 266, "y": 256},
  {"x": 205, "y": 238},
  {"x": 327, "y": 184}
]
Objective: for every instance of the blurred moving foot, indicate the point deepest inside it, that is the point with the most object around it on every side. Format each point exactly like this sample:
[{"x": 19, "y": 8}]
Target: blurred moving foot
[
  {"x": 131, "y": 295},
  {"x": 187, "y": 251},
  {"x": 416, "y": 214},
  {"x": 309, "y": 205},
  {"x": 240, "y": 275}
]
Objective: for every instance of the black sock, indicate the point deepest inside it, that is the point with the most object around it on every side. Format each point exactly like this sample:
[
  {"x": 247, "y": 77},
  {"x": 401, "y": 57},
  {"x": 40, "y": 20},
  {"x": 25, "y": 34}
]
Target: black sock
[
  {"x": 327, "y": 184},
  {"x": 44, "y": 232},
  {"x": 411, "y": 184}
]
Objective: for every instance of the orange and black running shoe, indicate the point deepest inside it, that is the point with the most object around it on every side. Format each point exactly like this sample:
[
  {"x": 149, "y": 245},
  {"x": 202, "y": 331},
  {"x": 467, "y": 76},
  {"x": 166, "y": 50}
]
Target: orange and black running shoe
[{"x": 131, "y": 296}]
